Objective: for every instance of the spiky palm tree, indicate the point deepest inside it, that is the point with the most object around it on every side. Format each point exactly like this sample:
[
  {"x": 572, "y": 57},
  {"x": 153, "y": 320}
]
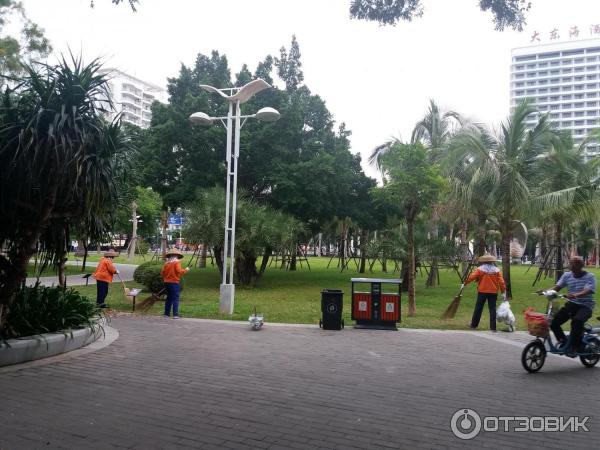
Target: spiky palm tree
[
  {"x": 58, "y": 164},
  {"x": 505, "y": 166},
  {"x": 564, "y": 190},
  {"x": 434, "y": 131}
]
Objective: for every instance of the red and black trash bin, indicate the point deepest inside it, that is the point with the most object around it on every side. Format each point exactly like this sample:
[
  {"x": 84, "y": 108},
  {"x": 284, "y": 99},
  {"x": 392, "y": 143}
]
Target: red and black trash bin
[
  {"x": 332, "y": 306},
  {"x": 377, "y": 306}
]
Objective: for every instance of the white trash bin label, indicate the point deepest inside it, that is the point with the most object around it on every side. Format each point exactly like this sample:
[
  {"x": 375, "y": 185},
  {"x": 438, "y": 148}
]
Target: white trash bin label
[
  {"x": 362, "y": 306},
  {"x": 389, "y": 307}
]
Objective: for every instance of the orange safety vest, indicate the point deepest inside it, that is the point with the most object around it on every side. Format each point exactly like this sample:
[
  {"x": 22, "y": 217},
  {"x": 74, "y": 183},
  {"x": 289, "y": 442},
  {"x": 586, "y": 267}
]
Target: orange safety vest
[
  {"x": 487, "y": 283},
  {"x": 171, "y": 272},
  {"x": 105, "y": 270}
]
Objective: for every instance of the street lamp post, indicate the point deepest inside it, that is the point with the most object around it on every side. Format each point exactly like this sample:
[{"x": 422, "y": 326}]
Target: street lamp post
[{"x": 233, "y": 123}]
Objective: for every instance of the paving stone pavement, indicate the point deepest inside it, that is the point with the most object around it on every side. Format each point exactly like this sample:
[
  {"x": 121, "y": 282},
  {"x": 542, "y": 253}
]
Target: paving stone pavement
[{"x": 169, "y": 384}]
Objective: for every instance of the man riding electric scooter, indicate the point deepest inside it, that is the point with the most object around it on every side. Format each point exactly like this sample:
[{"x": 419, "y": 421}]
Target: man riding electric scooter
[{"x": 581, "y": 285}]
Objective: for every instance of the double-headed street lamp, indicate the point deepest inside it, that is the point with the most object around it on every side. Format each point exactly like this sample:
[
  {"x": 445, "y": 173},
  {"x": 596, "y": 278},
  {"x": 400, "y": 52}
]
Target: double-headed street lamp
[{"x": 232, "y": 122}]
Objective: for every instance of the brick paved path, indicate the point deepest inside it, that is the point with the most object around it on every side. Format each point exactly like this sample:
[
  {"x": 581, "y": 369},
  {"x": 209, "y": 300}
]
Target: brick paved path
[
  {"x": 125, "y": 271},
  {"x": 196, "y": 384}
]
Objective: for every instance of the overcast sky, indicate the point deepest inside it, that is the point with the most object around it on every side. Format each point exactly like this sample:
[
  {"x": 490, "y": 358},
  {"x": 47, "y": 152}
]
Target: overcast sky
[{"x": 376, "y": 79}]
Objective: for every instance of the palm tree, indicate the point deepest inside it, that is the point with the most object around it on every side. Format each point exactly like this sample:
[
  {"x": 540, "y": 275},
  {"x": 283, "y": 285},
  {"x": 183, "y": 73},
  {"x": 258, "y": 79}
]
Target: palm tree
[
  {"x": 59, "y": 165},
  {"x": 470, "y": 177},
  {"x": 505, "y": 166},
  {"x": 564, "y": 189},
  {"x": 412, "y": 185},
  {"x": 434, "y": 131}
]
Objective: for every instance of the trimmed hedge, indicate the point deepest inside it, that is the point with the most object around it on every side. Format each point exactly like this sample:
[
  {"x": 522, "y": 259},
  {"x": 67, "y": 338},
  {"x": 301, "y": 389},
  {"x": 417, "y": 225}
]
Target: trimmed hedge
[{"x": 148, "y": 274}]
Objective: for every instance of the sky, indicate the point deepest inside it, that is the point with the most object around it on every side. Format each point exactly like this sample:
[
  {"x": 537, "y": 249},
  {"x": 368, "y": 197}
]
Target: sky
[{"x": 378, "y": 80}]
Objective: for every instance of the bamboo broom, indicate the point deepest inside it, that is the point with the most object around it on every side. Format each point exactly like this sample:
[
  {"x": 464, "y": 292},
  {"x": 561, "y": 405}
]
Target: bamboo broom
[
  {"x": 145, "y": 305},
  {"x": 126, "y": 290},
  {"x": 453, "y": 306},
  {"x": 149, "y": 302}
]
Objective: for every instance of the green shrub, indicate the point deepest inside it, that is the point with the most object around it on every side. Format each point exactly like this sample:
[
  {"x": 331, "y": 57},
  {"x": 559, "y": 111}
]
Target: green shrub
[
  {"x": 40, "y": 309},
  {"x": 143, "y": 246},
  {"x": 148, "y": 274}
]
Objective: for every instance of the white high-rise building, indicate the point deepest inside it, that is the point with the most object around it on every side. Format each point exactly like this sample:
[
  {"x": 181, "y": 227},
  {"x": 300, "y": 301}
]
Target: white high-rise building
[
  {"x": 133, "y": 97},
  {"x": 563, "y": 80}
]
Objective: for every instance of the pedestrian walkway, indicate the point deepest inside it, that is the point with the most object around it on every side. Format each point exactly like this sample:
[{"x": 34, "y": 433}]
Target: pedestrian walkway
[
  {"x": 125, "y": 271},
  {"x": 174, "y": 384}
]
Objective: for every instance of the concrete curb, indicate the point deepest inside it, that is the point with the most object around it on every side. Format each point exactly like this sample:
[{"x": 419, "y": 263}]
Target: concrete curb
[{"x": 22, "y": 350}]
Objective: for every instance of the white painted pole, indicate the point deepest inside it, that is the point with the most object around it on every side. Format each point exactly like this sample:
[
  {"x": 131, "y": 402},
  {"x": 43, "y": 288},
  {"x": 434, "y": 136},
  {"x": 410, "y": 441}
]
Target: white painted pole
[
  {"x": 227, "y": 193},
  {"x": 236, "y": 155}
]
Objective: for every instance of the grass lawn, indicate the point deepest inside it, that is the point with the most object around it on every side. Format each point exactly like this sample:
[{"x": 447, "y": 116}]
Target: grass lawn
[{"x": 294, "y": 297}]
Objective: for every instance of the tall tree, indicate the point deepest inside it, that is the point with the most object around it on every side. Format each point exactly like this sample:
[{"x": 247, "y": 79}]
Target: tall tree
[
  {"x": 59, "y": 162},
  {"x": 289, "y": 66},
  {"x": 564, "y": 190},
  {"x": 31, "y": 44},
  {"x": 412, "y": 185},
  {"x": 434, "y": 131},
  {"x": 507, "y": 13},
  {"x": 506, "y": 164}
]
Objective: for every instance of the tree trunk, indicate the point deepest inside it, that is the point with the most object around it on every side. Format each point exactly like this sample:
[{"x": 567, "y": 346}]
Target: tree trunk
[
  {"x": 13, "y": 271},
  {"x": 363, "y": 250},
  {"x": 544, "y": 243},
  {"x": 85, "y": 255},
  {"x": 265, "y": 260},
  {"x": 134, "y": 224},
  {"x": 404, "y": 275},
  {"x": 164, "y": 225},
  {"x": 597, "y": 242},
  {"x": 505, "y": 248},
  {"x": 245, "y": 269},
  {"x": 558, "y": 242},
  {"x": 320, "y": 243},
  {"x": 62, "y": 269},
  {"x": 293, "y": 259},
  {"x": 412, "y": 306},
  {"x": 464, "y": 246},
  {"x": 202, "y": 258},
  {"x": 432, "y": 278},
  {"x": 481, "y": 246},
  {"x": 217, "y": 251}
]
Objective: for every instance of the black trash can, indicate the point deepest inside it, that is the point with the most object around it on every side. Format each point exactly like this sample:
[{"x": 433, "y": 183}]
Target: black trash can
[{"x": 332, "y": 305}]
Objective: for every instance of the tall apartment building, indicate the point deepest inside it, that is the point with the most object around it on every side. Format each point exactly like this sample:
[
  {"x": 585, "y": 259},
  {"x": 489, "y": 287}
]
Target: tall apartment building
[
  {"x": 133, "y": 97},
  {"x": 563, "y": 80}
]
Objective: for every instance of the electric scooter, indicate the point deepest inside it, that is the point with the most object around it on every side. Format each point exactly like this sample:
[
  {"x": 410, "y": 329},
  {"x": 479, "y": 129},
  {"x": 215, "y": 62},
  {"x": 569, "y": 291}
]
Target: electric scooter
[{"x": 534, "y": 354}]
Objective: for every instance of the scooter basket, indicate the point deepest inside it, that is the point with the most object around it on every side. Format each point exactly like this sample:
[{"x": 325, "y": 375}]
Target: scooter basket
[{"x": 537, "y": 323}]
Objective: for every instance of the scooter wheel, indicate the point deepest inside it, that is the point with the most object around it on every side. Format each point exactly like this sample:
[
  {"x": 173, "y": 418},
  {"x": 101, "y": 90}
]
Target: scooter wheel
[
  {"x": 592, "y": 346},
  {"x": 533, "y": 356}
]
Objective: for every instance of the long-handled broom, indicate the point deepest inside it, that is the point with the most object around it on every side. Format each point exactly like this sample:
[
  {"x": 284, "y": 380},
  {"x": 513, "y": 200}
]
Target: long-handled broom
[
  {"x": 149, "y": 302},
  {"x": 126, "y": 290},
  {"x": 453, "y": 306},
  {"x": 145, "y": 305}
]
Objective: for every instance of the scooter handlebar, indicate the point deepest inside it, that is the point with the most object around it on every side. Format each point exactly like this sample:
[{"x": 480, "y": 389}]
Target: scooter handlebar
[{"x": 550, "y": 293}]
